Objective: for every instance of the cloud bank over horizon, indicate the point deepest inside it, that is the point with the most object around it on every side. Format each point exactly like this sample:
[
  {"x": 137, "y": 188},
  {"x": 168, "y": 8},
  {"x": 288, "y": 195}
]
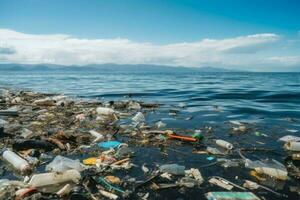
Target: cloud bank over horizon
[{"x": 243, "y": 52}]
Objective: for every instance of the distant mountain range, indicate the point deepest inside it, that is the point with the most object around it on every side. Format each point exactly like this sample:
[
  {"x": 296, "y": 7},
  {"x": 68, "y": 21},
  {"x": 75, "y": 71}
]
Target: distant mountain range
[{"x": 110, "y": 68}]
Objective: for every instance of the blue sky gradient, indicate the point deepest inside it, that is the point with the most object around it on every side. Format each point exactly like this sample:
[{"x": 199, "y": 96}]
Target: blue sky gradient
[{"x": 162, "y": 22}]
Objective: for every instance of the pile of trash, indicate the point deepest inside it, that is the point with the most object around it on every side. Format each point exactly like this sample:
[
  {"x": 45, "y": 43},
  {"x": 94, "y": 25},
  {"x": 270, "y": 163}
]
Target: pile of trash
[{"x": 56, "y": 147}]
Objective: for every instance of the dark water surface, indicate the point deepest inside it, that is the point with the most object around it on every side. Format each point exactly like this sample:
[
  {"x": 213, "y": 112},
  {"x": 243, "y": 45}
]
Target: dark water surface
[{"x": 266, "y": 102}]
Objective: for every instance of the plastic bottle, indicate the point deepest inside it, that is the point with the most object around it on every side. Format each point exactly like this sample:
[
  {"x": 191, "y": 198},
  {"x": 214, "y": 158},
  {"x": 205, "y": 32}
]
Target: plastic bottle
[
  {"x": 173, "y": 169},
  {"x": 292, "y": 146},
  {"x": 19, "y": 163},
  {"x": 224, "y": 144},
  {"x": 105, "y": 111},
  {"x": 52, "y": 178},
  {"x": 139, "y": 117}
]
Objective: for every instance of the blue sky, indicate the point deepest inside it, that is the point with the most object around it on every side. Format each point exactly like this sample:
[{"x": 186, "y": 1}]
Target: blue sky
[{"x": 258, "y": 34}]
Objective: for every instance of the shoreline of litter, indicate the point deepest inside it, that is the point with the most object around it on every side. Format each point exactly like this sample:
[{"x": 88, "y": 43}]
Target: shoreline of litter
[{"x": 46, "y": 131}]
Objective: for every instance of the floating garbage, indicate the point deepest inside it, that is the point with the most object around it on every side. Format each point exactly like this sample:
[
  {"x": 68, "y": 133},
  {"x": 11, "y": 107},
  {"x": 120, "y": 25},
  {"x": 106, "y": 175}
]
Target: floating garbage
[
  {"x": 172, "y": 169},
  {"x": 132, "y": 105},
  {"x": 109, "y": 144},
  {"x": 224, "y": 144},
  {"x": 182, "y": 138},
  {"x": 15, "y": 160},
  {"x": 78, "y": 144},
  {"x": 52, "y": 178},
  {"x": 139, "y": 117},
  {"x": 292, "y": 146},
  {"x": 98, "y": 136},
  {"x": 231, "y": 196},
  {"x": 289, "y": 138},
  {"x": 269, "y": 167},
  {"x": 214, "y": 151},
  {"x": 160, "y": 124},
  {"x": 105, "y": 111},
  {"x": 61, "y": 164}
]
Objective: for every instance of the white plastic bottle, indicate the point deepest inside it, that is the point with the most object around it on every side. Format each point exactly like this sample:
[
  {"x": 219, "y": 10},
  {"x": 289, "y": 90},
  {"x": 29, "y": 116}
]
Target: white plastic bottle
[
  {"x": 224, "y": 144},
  {"x": 19, "y": 163},
  {"x": 52, "y": 178},
  {"x": 105, "y": 111}
]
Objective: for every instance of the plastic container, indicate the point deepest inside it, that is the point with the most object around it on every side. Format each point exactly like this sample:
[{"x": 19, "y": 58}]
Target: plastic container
[
  {"x": 139, "y": 117},
  {"x": 60, "y": 164},
  {"x": 19, "y": 163},
  {"x": 224, "y": 144},
  {"x": 269, "y": 167},
  {"x": 52, "y": 178},
  {"x": 105, "y": 111},
  {"x": 172, "y": 169},
  {"x": 292, "y": 146}
]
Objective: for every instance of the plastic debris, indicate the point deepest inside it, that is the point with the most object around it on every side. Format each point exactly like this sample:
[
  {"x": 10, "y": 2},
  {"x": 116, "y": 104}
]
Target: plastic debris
[
  {"x": 61, "y": 164},
  {"x": 210, "y": 158},
  {"x": 139, "y": 117},
  {"x": 195, "y": 173},
  {"x": 160, "y": 124},
  {"x": 214, "y": 151},
  {"x": 289, "y": 138},
  {"x": 52, "y": 178},
  {"x": 224, "y": 144},
  {"x": 172, "y": 169},
  {"x": 19, "y": 163},
  {"x": 231, "y": 196},
  {"x": 105, "y": 111},
  {"x": 220, "y": 183},
  {"x": 292, "y": 146},
  {"x": 182, "y": 138},
  {"x": 269, "y": 167},
  {"x": 109, "y": 144},
  {"x": 98, "y": 136}
]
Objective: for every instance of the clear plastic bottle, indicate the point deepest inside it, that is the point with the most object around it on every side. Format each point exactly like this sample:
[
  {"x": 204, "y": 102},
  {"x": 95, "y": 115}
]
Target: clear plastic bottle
[
  {"x": 138, "y": 118},
  {"x": 19, "y": 163}
]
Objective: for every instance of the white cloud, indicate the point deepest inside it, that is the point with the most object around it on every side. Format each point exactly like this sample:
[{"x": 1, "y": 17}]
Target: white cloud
[
  {"x": 285, "y": 60},
  {"x": 68, "y": 50}
]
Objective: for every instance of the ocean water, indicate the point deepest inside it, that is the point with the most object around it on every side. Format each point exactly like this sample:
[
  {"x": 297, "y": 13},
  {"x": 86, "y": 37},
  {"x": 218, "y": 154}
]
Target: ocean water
[{"x": 268, "y": 103}]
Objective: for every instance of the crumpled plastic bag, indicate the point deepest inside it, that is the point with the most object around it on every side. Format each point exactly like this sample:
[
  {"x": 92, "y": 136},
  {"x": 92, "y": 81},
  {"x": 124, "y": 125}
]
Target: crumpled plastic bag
[{"x": 61, "y": 163}]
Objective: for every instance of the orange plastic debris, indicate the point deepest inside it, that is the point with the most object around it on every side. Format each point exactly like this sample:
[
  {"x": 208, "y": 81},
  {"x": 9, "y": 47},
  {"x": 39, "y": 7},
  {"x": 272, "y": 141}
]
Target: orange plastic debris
[{"x": 183, "y": 138}]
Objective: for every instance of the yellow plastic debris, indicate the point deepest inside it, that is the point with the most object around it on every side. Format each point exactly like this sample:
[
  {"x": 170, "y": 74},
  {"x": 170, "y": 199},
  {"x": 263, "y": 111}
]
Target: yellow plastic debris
[{"x": 90, "y": 161}]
